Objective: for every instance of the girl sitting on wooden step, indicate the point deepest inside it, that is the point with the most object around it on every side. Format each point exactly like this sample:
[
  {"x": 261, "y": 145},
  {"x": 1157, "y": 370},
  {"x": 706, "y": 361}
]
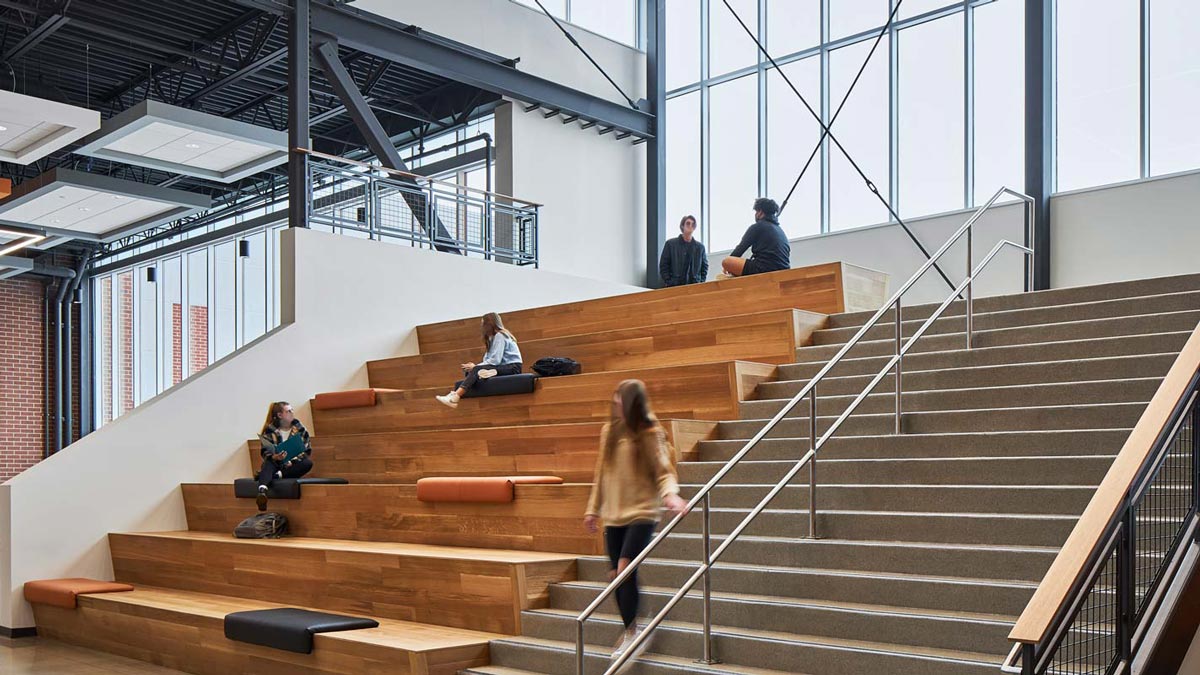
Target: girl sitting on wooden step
[
  {"x": 635, "y": 475},
  {"x": 281, "y": 433},
  {"x": 503, "y": 357}
]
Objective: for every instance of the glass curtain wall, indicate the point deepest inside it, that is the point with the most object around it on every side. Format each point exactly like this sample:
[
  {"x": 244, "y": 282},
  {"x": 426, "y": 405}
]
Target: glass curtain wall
[{"x": 935, "y": 120}]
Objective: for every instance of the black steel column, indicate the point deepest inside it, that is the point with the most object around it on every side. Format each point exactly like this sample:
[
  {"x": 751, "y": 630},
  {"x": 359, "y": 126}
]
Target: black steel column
[
  {"x": 298, "y": 59},
  {"x": 656, "y": 147},
  {"x": 1039, "y": 128}
]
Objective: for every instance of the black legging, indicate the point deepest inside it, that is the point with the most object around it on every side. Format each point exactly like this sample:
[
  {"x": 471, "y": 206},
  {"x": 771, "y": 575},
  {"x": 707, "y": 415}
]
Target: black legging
[
  {"x": 298, "y": 468},
  {"x": 628, "y": 541},
  {"x": 473, "y": 375}
]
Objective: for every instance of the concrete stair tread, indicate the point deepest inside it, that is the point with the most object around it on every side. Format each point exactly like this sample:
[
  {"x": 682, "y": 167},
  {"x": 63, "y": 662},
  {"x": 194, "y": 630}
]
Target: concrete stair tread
[
  {"x": 984, "y": 349},
  {"x": 877, "y": 542},
  {"x": 763, "y": 420},
  {"x": 919, "y": 486},
  {"x": 957, "y": 309},
  {"x": 799, "y": 513},
  {"x": 799, "y": 640},
  {"x": 1000, "y": 390},
  {"x": 686, "y": 664},
  {"x": 892, "y": 460}
]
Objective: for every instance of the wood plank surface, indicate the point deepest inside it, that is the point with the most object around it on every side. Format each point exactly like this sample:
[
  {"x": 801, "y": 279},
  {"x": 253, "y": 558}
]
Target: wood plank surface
[
  {"x": 765, "y": 337},
  {"x": 185, "y": 631},
  {"x": 815, "y": 289},
  {"x": 709, "y": 391},
  {"x": 477, "y": 589},
  {"x": 540, "y": 518}
]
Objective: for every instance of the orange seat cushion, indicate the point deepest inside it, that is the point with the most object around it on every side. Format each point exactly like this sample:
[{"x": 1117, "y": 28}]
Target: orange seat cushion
[
  {"x": 490, "y": 489},
  {"x": 355, "y": 398},
  {"x": 62, "y": 592}
]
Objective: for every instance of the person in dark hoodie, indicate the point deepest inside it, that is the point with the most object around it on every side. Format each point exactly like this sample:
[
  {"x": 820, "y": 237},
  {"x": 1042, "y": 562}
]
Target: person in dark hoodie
[
  {"x": 683, "y": 260},
  {"x": 768, "y": 241},
  {"x": 281, "y": 424}
]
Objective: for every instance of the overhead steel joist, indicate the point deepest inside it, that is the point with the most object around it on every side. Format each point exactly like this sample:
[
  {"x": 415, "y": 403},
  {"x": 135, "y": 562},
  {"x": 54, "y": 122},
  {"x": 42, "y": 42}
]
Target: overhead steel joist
[{"x": 410, "y": 46}]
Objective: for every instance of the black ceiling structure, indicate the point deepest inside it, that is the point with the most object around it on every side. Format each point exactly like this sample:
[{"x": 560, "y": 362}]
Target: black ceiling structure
[{"x": 215, "y": 56}]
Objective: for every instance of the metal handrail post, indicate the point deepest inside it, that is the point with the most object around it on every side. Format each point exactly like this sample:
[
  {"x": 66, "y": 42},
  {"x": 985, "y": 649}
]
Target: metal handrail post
[
  {"x": 899, "y": 365},
  {"x": 812, "y": 467},
  {"x": 970, "y": 286},
  {"x": 579, "y": 646},
  {"x": 707, "y": 657}
]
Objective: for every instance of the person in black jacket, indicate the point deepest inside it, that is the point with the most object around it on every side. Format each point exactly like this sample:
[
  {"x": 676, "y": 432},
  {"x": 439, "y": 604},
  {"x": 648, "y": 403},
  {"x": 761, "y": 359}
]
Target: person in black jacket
[
  {"x": 768, "y": 241},
  {"x": 281, "y": 424},
  {"x": 683, "y": 260}
]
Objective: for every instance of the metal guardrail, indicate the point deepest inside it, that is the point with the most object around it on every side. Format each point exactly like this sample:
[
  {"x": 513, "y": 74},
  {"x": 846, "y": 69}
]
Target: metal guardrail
[
  {"x": 703, "y": 498},
  {"x": 384, "y": 203},
  {"x": 1104, "y": 621}
]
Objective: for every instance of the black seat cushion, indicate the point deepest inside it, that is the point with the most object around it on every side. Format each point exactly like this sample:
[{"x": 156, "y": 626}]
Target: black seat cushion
[
  {"x": 288, "y": 628},
  {"x": 503, "y": 385},
  {"x": 281, "y": 488}
]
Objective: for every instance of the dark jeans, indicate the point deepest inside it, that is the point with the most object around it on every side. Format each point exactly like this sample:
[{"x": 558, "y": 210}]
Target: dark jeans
[
  {"x": 298, "y": 468},
  {"x": 472, "y": 376},
  {"x": 628, "y": 541}
]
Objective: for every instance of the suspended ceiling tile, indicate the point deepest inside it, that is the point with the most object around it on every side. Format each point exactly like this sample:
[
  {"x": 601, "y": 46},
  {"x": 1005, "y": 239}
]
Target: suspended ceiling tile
[
  {"x": 95, "y": 207},
  {"x": 31, "y": 128},
  {"x": 178, "y": 140}
]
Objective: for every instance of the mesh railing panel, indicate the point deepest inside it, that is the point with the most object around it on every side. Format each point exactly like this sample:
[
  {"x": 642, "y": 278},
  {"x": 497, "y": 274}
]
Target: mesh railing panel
[{"x": 1090, "y": 645}]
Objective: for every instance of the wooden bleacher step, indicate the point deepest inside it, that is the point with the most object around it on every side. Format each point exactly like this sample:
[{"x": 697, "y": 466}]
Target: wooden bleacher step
[
  {"x": 708, "y": 391},
  {"x": 184, "y": 630},
  {"x": 830, "y": 288},
  {"x": 472, "y": 588},
  {"x": 765, "y": 337}
]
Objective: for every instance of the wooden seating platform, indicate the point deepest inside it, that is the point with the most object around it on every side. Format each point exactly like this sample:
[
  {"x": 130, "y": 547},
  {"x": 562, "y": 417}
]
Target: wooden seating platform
[
  {"x": 709, "y": 391},
  {"x": 765, "y": 337},
  {"x": 540, "y": 518},
  {"x": 564, "y": 450},
  {"x": 185, "y": 630},
  {"x": 473, "y": 588},
  {"x": 824, "y": 289}
]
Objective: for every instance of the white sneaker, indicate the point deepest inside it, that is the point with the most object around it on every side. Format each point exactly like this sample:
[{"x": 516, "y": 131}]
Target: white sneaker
[
  {"x": 626, "y": 637},
  {"x": 487, "y": 373},
  {"x": 449, "y": 400}
]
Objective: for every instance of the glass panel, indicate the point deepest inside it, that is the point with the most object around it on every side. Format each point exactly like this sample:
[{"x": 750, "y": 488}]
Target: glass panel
[
  {"x": 917, "y": 7},
  {"x": 171, "y": 315},
  {"x": 730, "y": 48},
  {"x": 197, "y": 300},
  {"x": 1174, "y": 85},
  {"x": 792, "y": 134},
  {"x": 733, "y": 172},
  {"x": 104, "y": 350},
  {"x": 792, "y": 26},
  {"x": 850, "y": 17},
  {"x": 999, "y": 99},
  {"x": 862, "y": 129},
  {"x": 224, "y": 300},
  {"x": 556, "y": 7},
  {"x": 147, "y": 338},
  {"x": 683, "y": 161},
  {"x": 253, "y": 295},
  {"x": 1098, "y": 91},
  {"x": 931, "y": 117},
  {"x": 683, "y": 43},
  {"x": 614, "y": 19}
]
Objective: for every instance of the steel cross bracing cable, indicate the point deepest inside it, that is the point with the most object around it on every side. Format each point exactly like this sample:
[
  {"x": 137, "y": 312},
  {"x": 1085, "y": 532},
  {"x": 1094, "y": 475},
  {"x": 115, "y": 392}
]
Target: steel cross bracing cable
[
  {"x": 589, "y": 56},
  {"x": 826, "y": 132}
]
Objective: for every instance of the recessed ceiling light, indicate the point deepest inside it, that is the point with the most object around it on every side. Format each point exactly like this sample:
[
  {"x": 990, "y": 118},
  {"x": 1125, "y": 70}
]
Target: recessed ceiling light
[
  {"x": 3, "y": 128},
  {"x": 56, "y": 221},
  {"x": 84, "y": 208},
  {"x": 192, "y": 146}
]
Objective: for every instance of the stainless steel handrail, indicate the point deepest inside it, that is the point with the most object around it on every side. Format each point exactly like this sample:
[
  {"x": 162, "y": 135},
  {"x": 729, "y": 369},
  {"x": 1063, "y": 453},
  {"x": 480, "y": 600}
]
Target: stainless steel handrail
[{"x": 809, "y": 390}]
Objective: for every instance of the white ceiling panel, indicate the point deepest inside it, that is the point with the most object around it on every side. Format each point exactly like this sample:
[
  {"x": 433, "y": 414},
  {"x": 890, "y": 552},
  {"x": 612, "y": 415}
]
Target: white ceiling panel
[
  {"x": 179, "y": 140},
  {"x": 36, "y": 127}
]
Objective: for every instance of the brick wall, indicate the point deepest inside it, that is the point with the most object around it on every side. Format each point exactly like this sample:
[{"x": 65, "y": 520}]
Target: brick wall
[
  {"x": 22, "y": 377},
  {"x": 199, "y": 338}
]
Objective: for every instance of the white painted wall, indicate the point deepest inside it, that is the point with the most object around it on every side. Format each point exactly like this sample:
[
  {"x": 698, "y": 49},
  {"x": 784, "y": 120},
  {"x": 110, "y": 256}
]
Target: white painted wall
[
  {"x": 345, "y": 301},
  {"x": 888, "y": 249},
  {"x": 593, "y": 190},
  {"x": 1136, "y": 230},
  {"x": 513, "y": 30}
]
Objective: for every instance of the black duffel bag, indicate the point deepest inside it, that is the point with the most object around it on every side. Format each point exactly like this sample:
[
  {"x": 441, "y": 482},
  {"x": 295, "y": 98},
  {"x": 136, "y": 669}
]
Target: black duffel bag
[
  {"x": 262, "y": 526},
  {"x": 553, "y": 366}
]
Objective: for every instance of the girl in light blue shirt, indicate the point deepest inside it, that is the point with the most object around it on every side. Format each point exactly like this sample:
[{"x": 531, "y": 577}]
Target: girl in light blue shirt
[{"x": 503, "y": 357}]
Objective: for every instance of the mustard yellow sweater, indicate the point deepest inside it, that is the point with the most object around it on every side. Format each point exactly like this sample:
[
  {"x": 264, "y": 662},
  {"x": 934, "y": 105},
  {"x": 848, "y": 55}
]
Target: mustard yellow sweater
[{"x": 631, "y": 483}]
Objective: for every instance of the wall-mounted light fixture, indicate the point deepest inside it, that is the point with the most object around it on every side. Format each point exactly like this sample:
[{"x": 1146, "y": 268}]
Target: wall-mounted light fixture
[
  {"x": 151, "y": 274},
  {"x": 244, "y": 248}
]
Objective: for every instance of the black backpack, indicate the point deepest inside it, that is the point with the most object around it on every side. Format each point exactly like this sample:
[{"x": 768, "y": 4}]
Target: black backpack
[
  {"x": 553, "y": 366},
  {"x": 262, "y": 526}
]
